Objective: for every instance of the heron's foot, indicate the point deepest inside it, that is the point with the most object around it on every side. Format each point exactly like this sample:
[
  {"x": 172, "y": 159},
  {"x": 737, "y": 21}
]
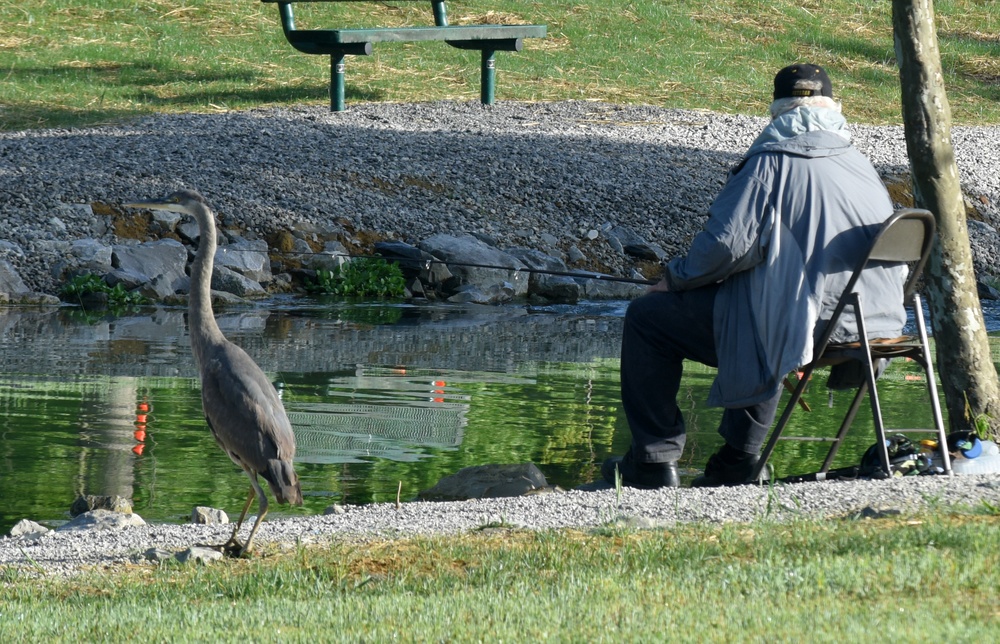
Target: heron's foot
[{"x": 232, "y": 548}]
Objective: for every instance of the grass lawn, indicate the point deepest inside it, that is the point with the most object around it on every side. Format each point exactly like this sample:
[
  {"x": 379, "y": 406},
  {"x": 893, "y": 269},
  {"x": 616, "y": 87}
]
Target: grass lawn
[
  {"x": 80, "y": 62},
  {"x": 916, "y": 578}
]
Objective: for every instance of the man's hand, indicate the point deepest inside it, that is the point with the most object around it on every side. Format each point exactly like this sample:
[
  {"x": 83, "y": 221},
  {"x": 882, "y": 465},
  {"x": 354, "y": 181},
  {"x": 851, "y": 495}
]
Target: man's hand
[{"x": 660, "y": 286}]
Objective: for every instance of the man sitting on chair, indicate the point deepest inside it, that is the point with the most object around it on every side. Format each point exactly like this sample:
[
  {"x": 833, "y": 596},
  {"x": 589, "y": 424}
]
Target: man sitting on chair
[{"x": 782, "y": 238}]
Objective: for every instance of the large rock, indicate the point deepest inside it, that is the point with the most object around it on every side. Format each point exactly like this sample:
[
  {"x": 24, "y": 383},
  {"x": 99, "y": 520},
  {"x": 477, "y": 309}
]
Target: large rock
[
  {"x": 555, "y": 288},
  {"x": 987, "y": 291},
  {"x": 10, "y": 280},
  {"x": 205, "y": 515},
  {"x": 129, "y": 280},
  {"x": 467, "y": 258},
  {"x": 161, "y": 263},
  {"x": 624, "y": 239},
  {"x": 102, "y": 520},
  {"x": 230, "y": 281},
  {"x": 595, "y": 289},
  {"x": 89, "y": 255},
  {"x": 488, "y": 482},
  {"x": 166, "y": 220},
  {"x": 415, "y": 263},
  {"x": 88, "y": 502},
  {"x": 158, "y": 555},
  {"x": 537, "y": 260},
  {"x": 27, "y": 529},
  {"x": 473, "y": 294},
  {"x": 189, "y": 230},
  {"x": 198, "y": 555},
  {"x": 333, "y": 256},
  {"x": 246, "y": 257},
  {"x": 13, "y": 290},
  {"x": 543, "y": 283}
]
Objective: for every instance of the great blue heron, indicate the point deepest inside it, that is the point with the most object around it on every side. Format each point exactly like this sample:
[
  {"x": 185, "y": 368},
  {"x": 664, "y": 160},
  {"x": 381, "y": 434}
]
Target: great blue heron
[{"x": 241, "y": 406}]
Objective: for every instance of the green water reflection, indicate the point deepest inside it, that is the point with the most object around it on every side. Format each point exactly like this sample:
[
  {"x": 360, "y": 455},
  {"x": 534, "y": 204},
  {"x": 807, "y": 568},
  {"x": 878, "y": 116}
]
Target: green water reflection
[{"x": 363, "y": 429}]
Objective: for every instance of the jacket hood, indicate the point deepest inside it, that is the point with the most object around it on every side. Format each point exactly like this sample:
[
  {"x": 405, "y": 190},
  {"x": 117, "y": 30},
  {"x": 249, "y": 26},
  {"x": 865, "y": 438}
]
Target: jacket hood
[{"x": 805, "y": 131}]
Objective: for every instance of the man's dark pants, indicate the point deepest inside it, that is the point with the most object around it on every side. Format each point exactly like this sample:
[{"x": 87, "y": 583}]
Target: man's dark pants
[{"x": 662, "y": 329}]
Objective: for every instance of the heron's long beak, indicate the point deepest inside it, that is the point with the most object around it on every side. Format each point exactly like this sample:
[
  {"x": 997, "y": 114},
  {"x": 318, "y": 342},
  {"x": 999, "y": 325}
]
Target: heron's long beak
[{"x": 155, "y": 204}]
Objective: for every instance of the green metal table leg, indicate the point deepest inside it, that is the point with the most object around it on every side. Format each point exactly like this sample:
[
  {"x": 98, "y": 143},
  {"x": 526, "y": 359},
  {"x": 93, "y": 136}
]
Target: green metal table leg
[
  {"x": 337, "y": 82},
  {"x": 488, "y": 74}
]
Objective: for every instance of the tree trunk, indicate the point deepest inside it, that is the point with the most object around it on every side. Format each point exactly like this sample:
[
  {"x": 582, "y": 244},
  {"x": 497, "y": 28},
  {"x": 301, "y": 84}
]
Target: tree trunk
[{"x": 965, "y": 366}]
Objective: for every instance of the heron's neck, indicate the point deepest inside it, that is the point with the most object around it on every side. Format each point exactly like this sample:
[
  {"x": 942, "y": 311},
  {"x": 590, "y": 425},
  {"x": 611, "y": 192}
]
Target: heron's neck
[{"x": 201, "y": 319}]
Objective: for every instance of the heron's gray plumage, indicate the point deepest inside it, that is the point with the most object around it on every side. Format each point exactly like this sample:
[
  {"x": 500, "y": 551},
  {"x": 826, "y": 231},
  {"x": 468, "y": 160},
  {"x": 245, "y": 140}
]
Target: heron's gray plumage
[
  {"x": 241, "y": 405},
  {"x": 236, "y": 395}
]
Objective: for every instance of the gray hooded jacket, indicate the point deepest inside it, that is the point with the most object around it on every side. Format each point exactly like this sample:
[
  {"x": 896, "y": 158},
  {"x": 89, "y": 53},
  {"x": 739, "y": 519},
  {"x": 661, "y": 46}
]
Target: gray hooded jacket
[{"x": 782, "y": 238}]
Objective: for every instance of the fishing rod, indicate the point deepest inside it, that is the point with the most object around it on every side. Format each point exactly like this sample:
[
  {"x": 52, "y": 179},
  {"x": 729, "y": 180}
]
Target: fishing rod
[
  {"x": 574, "y": 274},
  {"x": 426, "y": 264}
]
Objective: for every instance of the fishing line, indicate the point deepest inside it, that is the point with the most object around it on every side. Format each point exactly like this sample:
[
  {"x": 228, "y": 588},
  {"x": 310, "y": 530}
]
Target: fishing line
[{"x": 427, "y": 263}]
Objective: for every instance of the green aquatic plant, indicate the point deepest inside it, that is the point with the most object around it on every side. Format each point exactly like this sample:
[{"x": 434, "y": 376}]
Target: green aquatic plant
[
  {"x": 361, "y": 277},
  {"x": 81, "y": 285},
  {"x": 91, "y": 291}
]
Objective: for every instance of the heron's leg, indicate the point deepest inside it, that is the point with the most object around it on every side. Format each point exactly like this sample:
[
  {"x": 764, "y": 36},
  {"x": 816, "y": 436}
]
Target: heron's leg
[
  {"x": 261, "y": 512},
  {"x": 233, "y": 546},
  {"x": 243, "y": 515}
]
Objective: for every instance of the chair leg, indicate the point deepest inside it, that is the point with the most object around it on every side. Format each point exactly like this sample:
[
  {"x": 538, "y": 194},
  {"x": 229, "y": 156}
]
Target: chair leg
[
  {"x": 928, "y": 365},
  {"x": 880, "y": 439},
  {"x": 765, "y": 455}
]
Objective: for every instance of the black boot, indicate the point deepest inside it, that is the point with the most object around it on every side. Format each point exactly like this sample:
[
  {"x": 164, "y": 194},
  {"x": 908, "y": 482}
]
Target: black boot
[
  {"x": 729, "y": 466},
  {"x": 641, "y": 475}
]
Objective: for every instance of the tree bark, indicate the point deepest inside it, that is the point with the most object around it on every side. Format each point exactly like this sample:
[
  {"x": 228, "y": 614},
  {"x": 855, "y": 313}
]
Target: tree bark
[{"x": 965, "y": 366}]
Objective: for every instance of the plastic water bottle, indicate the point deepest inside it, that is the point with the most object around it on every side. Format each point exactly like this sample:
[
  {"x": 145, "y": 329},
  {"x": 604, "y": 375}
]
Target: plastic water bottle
[{"x": 988, "y": 461}]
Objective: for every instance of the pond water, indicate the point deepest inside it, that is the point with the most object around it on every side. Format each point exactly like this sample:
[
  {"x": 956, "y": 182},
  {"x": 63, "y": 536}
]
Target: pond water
[{"x": 384, "y": 400}]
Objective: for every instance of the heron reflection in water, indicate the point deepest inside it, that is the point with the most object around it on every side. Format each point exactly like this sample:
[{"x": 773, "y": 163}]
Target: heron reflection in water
[{"x": 241, "y": 406}]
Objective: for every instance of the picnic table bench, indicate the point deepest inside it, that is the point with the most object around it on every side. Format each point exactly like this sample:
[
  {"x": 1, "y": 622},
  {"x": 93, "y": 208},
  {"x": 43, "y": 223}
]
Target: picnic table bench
[{"x": 339, "y": 43}]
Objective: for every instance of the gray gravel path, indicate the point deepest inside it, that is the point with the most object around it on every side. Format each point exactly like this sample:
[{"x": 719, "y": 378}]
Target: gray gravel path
[{"x": 62, "y": 552}]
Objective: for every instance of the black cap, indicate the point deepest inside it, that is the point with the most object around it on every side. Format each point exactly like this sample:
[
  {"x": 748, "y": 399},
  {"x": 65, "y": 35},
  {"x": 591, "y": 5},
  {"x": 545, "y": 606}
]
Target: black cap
[{"x": 802, "y": 80}]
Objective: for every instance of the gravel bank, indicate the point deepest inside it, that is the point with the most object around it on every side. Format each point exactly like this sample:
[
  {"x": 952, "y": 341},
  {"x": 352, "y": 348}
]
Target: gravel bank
[
  {"x": 61, "y": 552},
  {"x": 538, "y": 175},
  {"x": 541, "y": 175}
]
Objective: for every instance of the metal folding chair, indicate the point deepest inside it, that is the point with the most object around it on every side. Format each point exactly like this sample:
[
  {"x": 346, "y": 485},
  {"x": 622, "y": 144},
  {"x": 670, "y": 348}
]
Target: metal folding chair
[{"x": 904, "y": 238}]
